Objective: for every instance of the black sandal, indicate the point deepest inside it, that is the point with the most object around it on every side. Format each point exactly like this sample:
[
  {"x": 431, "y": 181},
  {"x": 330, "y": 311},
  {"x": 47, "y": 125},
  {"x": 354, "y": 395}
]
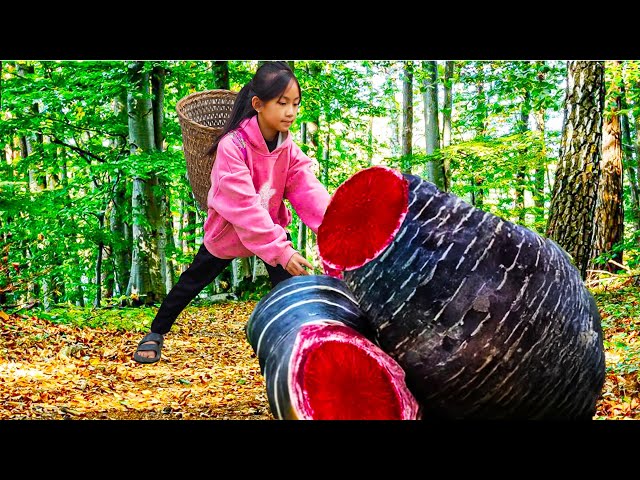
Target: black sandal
[{"x": 157, "y": 348}]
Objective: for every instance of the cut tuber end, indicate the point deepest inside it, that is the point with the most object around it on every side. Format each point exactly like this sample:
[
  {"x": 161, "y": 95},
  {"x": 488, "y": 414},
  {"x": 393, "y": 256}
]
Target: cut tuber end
[
  {"x": 362, "y": 219},
  {"x": 340, "y": 375}
]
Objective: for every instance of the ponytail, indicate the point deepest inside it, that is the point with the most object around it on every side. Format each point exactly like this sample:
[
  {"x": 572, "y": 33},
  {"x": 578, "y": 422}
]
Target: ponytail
[{"x": 242, "y": 109}]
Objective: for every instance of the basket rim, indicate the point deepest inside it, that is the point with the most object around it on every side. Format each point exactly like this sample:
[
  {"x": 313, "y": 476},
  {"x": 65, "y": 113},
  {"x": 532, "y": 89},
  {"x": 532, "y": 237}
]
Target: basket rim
[{"x": 195, "y": 95}]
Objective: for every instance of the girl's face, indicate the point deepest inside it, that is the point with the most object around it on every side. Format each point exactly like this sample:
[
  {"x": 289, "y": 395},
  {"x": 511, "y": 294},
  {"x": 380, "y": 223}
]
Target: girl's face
[{"x": 278, "y": 114}]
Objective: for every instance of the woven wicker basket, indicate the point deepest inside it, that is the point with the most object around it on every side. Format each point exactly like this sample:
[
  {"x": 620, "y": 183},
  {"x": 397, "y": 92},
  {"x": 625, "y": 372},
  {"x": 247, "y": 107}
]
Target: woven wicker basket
[{"x": 202, "y": 116}]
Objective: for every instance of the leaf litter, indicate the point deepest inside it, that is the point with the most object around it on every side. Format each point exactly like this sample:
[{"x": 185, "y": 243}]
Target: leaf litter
[{"x": 208, "y": 369}]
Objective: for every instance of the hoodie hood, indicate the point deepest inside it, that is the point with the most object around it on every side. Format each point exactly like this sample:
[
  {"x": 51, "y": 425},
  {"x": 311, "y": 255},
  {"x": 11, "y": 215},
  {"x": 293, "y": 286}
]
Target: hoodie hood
[{"x": 254, "y": 138}]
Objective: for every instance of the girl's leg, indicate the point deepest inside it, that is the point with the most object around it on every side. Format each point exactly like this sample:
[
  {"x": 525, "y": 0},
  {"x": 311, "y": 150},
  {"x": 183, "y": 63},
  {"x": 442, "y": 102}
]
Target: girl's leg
[
  {"x": 276, "y": 274},
  {"x": 203, "y": 270}
]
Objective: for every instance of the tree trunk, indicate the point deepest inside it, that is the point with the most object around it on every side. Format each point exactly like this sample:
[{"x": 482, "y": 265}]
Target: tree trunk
[
  {"x": 541, "y": 170},
  {"x": 370, "y": 143},
  {"x": 240, "y": 270},
  {"x": 121, "y": 246},
  {"x": 314, "y": 70},
  {"x": 145, "y": 279},
  {"x": 636, "y": 165},
  {"x": 609, "y": 215},
  {"x": 446, "y": 118},
  {"x": 302, "y": 228},
  {"x": 35, "y": 179},
  {"x": 327, "y": 156},
  {"x": 258, "y": 269},
  {"x": 407, "y": 116},
  {"x": 98, "y": 299},
  {"x": 477, "y": 192},
  {"x": 575, "y": 188},
  {"x": 628, "y": 159},
  {"x": 523, "y": 126},
  {"x": 435, "y": 168},
  {"x": 164, "y": 227}
]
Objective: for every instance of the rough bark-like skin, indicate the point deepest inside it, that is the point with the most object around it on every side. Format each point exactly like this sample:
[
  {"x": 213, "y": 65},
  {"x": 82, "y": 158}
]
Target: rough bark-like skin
[
  {"x": 575, "y": 186},
  {"x": 335, "y": 302},
  {"x": 487, "y": 318},
  {"x": 273, "y": 330},
  {"x": 609, "y": 214}
]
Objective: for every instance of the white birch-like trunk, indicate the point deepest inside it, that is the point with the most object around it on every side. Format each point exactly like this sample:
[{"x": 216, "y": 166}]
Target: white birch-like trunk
[
  {"x": 407, "y": 116},
  {"x": 435, "y": 168}
]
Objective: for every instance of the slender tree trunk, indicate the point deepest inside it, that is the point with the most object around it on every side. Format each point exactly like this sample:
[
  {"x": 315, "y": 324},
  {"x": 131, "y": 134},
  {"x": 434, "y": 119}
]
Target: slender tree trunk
[
  {"x": 477, "y": 193},
  {"x": 435, "y": 168},
  {"x": 258, "y": 269},
  {"x": 446, "y": 118},
  {"x": 164, "y": 227},
  {"x": 108, "y": 273},
  {"x": 370, "y": 143},
  {"x": 315, "y": 70},
  {"x": 121, "y": 245},
  {"x": 6, "y": 285},
  {"x": 628, "y": 159},
  {"x": 407, "y": 117},
  {"x": 575, "y": 188},
  {"x": 523, "y": 126},
  {"x": 241, "y": 269},
  {"x": 98, "y": 299},
  {"x": 302, "y": 228},
  {"x": 609, "y": 215},
  {"x": 145, "y": 279},
  {"x": 327, "y": 156},
  {"x": 637, "y": 143},
  {"x": 541, "y": 170},
  {"x": 35, "y": 182},
  {"x": 80, "y": 292}
]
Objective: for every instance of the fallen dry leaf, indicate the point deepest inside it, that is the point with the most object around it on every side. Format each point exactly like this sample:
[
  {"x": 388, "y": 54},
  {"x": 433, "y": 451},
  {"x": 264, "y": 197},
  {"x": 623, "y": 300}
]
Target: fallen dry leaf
[{"x": 208, "y": 370}]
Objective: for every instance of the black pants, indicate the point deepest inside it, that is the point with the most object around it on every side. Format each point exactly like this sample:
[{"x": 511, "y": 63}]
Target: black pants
[{"x": 202, "y": 271}]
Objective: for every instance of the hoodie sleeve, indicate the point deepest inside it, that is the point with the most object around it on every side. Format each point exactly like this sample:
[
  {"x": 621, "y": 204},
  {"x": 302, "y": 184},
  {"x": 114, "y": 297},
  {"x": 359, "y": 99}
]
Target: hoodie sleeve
[
  {"x": 305, "y": 192},
  {"x": 236, "y": 200}
]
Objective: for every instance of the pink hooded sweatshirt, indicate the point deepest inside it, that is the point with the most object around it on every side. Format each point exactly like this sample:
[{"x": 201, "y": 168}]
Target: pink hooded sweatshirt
[{"x": 246, "y": 213}]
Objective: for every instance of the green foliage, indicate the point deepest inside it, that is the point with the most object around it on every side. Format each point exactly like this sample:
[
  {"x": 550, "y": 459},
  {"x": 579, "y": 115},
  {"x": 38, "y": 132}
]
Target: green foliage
[
  {"x": 120, "y": 319},
  {"x": 248, "y": 290},
  {"x": 497, "y": 168},
  {"x": 66, "y": 125},
  {"x": 620, "y": 310},
  {"x": 492, "y": 95}
]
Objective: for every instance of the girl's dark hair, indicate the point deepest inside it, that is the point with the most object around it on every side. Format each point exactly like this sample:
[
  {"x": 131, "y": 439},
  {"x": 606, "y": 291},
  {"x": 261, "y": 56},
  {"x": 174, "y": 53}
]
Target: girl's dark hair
[{"x": 269, "y": 82}]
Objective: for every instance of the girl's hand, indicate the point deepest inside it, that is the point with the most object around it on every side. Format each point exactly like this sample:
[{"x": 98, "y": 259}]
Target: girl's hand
[{"x": 295, "y": 265}]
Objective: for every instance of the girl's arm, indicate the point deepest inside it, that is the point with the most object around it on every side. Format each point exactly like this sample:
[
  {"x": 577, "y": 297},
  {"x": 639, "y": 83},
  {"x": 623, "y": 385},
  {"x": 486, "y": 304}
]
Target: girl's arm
[
  {"x": 234, "y": 197},
  {"x": 305, "y": 192}
]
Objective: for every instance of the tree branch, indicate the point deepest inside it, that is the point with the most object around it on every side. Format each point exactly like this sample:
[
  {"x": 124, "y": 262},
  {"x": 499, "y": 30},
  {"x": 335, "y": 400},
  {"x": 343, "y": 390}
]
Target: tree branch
[{"x": 83, "y": 153}]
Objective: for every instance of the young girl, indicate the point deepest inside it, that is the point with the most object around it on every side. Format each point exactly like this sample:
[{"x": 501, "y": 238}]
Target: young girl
[{"x": 257, "y": 166}]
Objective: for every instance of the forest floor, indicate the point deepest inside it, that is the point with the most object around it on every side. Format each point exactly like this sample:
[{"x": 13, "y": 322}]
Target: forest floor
[
  {"x": 207, "y": 371},
  {"x": 54, "y": 370}
]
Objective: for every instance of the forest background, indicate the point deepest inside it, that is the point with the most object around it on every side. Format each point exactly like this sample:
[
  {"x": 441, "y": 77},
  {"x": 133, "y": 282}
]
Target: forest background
[{"x": 96, "y": 211}]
